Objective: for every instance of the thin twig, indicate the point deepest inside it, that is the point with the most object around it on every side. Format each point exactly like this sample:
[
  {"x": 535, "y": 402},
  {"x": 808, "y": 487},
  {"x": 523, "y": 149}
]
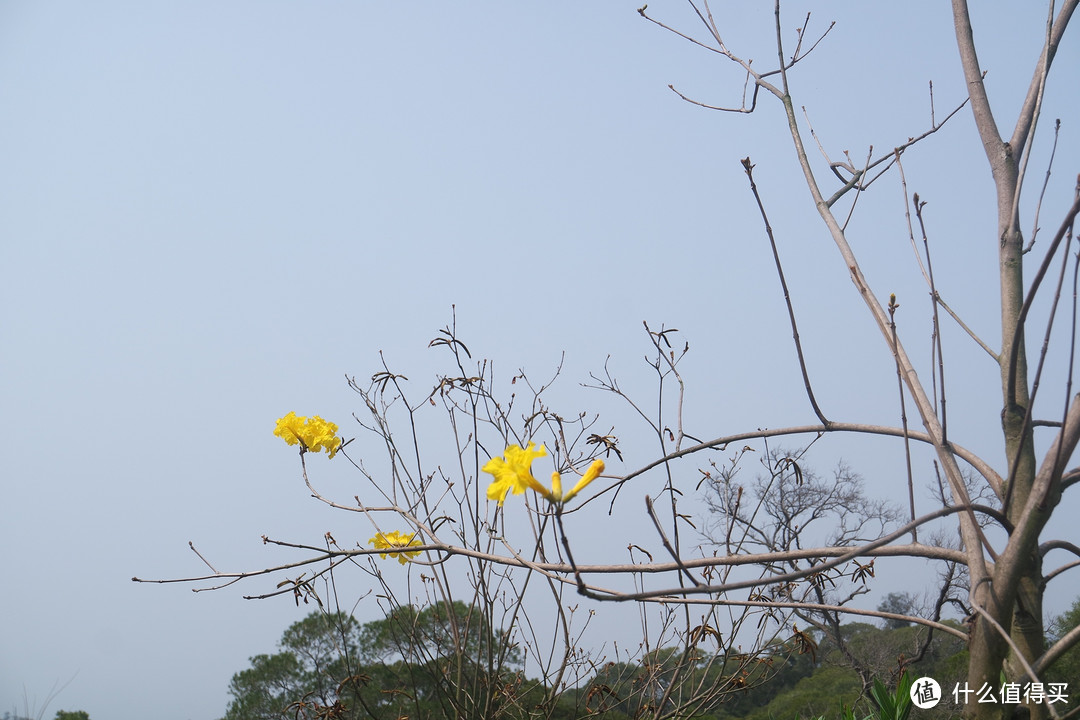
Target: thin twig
[
  {"x": 1036, "y": 113},
  {"x": 859, "y": 189},
  {"x": 749, "y": 169},
  {"x": 667, "y": 543},
  {"x": 893, "y": 305},
  {"x": 890, "y": 158},
  {"x": 936, "y": 341},
  {"x": 1046, "y": 183},
  {"x": 205, "y": 561},
  {"x": 980, "y": 465},
  {"x": 863, "y": 550}
]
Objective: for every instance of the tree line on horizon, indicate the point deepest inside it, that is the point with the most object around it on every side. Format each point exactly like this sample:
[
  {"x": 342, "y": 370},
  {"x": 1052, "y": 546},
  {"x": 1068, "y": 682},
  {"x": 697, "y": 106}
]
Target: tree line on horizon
[{"x": 331, "y": 666}]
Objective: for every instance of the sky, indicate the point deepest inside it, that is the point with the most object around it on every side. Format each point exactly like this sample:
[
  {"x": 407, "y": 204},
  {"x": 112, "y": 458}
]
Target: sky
[{"x": 211, "y": 213}]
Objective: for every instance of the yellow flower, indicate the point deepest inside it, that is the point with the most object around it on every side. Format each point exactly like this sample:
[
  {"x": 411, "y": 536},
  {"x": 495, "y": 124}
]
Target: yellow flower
[
  {"x": 395, "y": 540},
  {"x": 514, "y": 473},
  {"x": 314, "y": 433}
]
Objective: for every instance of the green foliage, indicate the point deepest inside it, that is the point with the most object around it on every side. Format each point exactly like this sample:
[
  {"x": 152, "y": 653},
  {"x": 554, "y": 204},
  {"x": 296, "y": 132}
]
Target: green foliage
[
  {"x": 819, "y": 694},
  {"x": 446, "y": 661},
  {"x": 266, "y": 688},
  {"x": 1067, "y": 667},
  {"x": 882, "y": 652},
  {"x": 848, "y": 713},
  {"x": 60, "y": 715},
  {"x": 442, "y": 630},
  {"x": 440, "y": 662},
  {"x": 831, "y": 688},
  {"x": 637, "y": 689},
  {"x": 765, "y": 684},
  {"x": 889, "y": 705},
  {"x": 314, "y": 668},
  {"x": 667, "y": 682}
]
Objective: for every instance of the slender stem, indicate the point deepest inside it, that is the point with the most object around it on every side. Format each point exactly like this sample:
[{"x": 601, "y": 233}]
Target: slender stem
[
  {"x": 749, "y": 168},
  {"x": 893, "y": 305}
]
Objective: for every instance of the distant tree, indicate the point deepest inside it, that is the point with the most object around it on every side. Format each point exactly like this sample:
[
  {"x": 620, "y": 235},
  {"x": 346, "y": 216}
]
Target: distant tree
[
  {"x": 430, "y": 662},
  {"x": 72, "y": 715},
  {"x": 316, "y": 657},
  {"x": 899, "y": 603},
  {"x": 438, "y": 631},
  {"x": 819, "y": 695},
  {"x": 1067, "y": 668},
  {"x": 443, "y": 660},
  {"x": 633, "y": 689},
  {"x": 832, "y": 683}
]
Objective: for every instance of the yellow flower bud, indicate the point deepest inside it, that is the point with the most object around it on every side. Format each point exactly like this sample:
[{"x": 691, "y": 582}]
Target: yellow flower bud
[
  {"x": 591, "y": 474},
  {"x": 556, "y": 486}
]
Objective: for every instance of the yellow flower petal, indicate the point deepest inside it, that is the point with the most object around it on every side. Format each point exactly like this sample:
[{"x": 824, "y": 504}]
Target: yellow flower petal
[
  {"x": 505, "y": 479},
  {"x": 288, "y": 428}
]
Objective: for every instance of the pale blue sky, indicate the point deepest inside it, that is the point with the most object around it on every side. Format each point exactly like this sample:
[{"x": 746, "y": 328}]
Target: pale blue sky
[{"x": 211, "y": 212}]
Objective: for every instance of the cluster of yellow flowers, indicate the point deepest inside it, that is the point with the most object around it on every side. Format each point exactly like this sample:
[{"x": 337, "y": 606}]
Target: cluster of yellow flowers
[
  {"x": 513, "y": 473},
  {"x": 313, "y": 432},
  {"x": 395, "y": 541},
  {"x": 316, "y": 435}
]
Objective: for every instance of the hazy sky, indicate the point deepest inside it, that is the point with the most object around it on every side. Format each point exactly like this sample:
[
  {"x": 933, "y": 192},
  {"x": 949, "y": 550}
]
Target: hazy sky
[{"x": 212, "y": 212}]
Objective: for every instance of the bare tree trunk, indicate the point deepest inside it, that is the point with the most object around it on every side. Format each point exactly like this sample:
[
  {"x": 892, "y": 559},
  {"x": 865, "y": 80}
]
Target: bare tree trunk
[{"x": 1016, "y": 581}]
